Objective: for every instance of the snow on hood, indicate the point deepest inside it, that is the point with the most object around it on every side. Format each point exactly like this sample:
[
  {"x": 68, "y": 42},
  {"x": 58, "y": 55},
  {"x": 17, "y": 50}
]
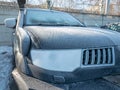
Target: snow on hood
[
  {"x": 6, "y": 66},
  {"x": 71, "y": 37}
]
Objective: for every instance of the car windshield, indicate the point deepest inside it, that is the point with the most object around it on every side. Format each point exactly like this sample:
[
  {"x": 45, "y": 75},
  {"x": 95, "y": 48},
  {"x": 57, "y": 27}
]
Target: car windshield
[{"x": 50, "y": 18}]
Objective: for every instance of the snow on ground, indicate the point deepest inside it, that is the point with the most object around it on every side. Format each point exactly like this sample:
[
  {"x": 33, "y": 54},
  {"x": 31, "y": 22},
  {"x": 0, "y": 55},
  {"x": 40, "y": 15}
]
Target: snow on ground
[{"x": 6, "y": 66}]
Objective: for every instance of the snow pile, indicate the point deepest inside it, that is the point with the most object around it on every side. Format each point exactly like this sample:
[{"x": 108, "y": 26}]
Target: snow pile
[{"x": 6, "y": 66}]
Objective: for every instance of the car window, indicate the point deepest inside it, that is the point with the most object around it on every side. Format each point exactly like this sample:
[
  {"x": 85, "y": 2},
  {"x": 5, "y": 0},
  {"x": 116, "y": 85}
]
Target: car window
[{"x": 54, "y": 18}]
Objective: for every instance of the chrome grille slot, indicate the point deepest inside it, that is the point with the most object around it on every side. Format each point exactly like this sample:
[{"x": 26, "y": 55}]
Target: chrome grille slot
[{"x": 98, "y": 57}]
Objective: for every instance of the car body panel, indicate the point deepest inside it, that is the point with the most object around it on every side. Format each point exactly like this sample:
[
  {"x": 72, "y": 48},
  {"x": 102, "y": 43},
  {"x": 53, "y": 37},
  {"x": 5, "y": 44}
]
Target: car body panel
[{"x": 71, "y": 37}]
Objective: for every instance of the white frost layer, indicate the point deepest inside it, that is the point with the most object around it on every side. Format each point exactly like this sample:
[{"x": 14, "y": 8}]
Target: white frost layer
[{"x": 6, "y": 66}]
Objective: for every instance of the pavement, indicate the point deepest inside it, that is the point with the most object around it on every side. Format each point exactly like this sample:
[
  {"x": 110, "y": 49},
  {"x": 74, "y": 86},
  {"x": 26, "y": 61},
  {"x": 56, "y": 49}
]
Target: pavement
[{"x": 6, "y": 67}]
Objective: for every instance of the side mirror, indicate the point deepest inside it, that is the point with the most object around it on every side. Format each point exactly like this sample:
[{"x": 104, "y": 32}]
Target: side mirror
[{"x": 10, "y": 22}]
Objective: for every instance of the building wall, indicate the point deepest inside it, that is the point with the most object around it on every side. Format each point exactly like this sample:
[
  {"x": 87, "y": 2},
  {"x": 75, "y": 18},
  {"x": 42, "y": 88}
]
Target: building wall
[{"x": 6, "y": 33}]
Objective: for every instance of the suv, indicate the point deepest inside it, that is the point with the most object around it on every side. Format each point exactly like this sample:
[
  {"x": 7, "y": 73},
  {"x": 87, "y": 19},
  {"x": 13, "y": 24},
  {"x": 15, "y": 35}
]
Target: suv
[{"x": 55, "y": 47}]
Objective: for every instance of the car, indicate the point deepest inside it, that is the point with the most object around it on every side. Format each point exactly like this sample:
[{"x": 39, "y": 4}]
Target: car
[
  {"x": 55, "y": 47},
  {"x": 112, "y": 26}
]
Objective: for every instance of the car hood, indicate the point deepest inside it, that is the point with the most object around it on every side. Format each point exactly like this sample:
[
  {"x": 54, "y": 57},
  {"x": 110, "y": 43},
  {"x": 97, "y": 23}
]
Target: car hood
[{"x": 46, "y": 37}]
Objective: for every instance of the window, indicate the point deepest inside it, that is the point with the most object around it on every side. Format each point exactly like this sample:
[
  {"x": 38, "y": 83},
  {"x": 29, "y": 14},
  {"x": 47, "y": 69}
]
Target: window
[{"x": 50, "y": 18}]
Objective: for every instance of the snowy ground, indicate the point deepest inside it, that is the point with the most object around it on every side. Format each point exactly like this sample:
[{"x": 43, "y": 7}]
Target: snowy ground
[{"x": 6, "y": 66}]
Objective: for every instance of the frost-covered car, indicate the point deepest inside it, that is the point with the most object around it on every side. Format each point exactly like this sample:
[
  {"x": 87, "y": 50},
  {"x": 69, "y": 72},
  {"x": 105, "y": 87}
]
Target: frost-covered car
[
  {"x": 112, "y": 26},
  {"x": 55, "y": 47}
]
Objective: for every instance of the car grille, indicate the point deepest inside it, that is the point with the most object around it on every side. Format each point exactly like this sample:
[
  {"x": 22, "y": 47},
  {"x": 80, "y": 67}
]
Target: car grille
[{"x": 98, "y": 57}]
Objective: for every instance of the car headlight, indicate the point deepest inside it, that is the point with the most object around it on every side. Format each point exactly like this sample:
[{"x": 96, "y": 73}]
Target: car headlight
[{"x": 57, "y": 60}]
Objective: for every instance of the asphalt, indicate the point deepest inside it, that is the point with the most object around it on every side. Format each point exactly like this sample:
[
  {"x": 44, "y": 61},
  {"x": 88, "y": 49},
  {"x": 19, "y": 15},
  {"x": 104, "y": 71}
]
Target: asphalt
[{"x": 98, "y": 84}]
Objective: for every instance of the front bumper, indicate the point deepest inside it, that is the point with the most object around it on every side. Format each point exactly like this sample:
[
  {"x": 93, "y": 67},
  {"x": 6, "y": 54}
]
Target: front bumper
[
  {"x": 25, "y": 82},
  {"x": 71, "y": 77}
]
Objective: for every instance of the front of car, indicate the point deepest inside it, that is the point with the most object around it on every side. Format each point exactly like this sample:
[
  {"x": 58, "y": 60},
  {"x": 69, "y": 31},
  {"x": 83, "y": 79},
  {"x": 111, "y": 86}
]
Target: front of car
[
  {"x": 62, "y": 50},
  {"x": 55, "y": 47}
]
